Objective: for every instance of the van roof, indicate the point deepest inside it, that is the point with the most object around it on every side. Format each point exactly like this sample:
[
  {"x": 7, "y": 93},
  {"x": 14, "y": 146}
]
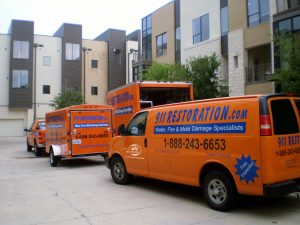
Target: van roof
[
  {"x": 82, "y": 107},
  {"x": 258, "y": 96},
  {"x": 153, "y": 84}
]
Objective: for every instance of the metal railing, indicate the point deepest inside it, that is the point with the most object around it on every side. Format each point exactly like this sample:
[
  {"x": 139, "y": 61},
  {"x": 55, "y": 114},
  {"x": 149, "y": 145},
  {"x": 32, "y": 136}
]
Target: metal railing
[
  {"x": 283, "y": 5},
  {"x": 258, "y": 73}
]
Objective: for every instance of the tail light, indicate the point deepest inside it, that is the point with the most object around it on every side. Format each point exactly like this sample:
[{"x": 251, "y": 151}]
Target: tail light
[{"x": 265, "y": 125}]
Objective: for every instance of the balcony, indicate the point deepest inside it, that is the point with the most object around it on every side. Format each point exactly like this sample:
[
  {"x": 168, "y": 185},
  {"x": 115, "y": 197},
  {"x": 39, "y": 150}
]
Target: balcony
[
  {"x": 258, "y": 73},
  {"x": 283, "y": 5}
]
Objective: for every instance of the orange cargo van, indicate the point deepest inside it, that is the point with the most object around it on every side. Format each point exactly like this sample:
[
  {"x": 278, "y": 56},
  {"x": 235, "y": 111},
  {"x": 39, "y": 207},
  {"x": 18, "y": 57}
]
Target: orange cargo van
[
  {"x": 131, "y": 98},
  {"x": 248, "y": 145},
  {"x": 36, "y": 137},
  {"x": 78, "y": 131}
]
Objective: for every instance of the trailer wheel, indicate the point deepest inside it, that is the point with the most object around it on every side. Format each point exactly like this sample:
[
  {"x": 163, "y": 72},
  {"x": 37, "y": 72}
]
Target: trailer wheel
[
  {"x": 119, "y": 172},
  {"x": 219, "y": 191},
  {"x": 37, "y": 150},
  {"x": 53, "y": 159},
  {"x": 29, "y": 148}
]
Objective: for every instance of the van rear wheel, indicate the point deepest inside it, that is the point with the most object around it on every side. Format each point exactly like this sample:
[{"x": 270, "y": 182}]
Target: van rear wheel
[
  {"x": 119, "y": 172},
  {"x": 219, "y": 191},
  {"x": 53, "y": 159}
]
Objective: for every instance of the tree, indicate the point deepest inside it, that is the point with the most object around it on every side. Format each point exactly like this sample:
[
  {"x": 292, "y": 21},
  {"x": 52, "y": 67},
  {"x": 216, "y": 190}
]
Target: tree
[
  {"x": 67, "y": 97},
  {"x": 202, "y": 71},
  {"x": 288, "y": 76},
  {"x": 166, "y": 72}
]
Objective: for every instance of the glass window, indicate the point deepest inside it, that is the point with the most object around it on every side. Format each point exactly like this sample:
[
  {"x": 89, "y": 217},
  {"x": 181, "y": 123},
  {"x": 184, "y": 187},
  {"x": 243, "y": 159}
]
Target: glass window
[
  {"x": 201, "y": 29},
  {"x": 21, "y": 50},
  {"x": 205, "y": 27},
  {"x": 161, "y": 44},
  {"x": 264, "y": 10},
  {"x": 258, "y": 12},
  {"x": 94, "y": 63},
  {"x": 285, "y": 26},
  {"x": 146, "y": 40},
  {"x": 284, "y": 117},
  {"x": 94, "y": 90},
  {"x": 46, "y": 89},
  {"x": 47, "y": 61},
  {"x": 72, "y": 51},
  {"x": 296, "y": 23},
  {"x": 178, "y": 39},
  {"x": 20, "y": 79},
  {"x": 224, "y": 21},
  {"x": 137, "y": 126}
]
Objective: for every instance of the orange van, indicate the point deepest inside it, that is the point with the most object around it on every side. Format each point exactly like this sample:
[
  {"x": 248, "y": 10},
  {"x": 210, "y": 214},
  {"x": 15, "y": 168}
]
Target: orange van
[
  {"x": 36, "y": 137},
  {"x": 80, "y": 130},
  {"x": 131, "y": 98},
  {"x": 237, "y": 145}
]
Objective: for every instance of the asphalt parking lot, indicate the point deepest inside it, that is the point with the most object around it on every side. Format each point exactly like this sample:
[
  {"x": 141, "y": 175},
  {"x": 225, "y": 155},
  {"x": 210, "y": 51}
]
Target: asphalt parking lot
[{"x": 81, "y": 191}]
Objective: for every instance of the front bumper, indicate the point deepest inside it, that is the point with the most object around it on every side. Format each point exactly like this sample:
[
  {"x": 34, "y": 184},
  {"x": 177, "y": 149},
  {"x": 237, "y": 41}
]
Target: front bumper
[{"x": 281, "y": 189}]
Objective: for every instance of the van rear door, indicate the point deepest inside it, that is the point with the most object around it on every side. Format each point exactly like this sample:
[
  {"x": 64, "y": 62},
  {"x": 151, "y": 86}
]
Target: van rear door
[
  {"x": 90, "y": 131},
  {"x": 281, "y": 146}
]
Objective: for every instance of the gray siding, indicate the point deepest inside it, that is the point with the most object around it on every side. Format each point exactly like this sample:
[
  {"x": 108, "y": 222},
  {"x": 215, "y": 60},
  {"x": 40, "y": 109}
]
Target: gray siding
[
  {"x": 116, "y": 56},
  {"x": 21, "y": 97},
  {"x": 71, "y": 69}
]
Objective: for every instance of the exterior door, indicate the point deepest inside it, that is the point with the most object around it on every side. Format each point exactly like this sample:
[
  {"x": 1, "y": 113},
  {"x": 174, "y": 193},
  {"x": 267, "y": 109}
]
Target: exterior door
[
  {"x": 135, "y": 147},
  {"x": 90, "y": 131}
]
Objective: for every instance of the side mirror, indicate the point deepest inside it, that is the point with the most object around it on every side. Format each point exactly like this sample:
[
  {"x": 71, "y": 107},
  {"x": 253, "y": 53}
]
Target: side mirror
[
  {"x": 122, "y": 129},
  {"x": 26, "y": 130}
]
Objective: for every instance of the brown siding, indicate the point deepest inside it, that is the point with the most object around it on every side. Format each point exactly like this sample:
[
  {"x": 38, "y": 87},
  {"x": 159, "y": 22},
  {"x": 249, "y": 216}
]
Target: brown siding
[{"x": 21, "y": 97}]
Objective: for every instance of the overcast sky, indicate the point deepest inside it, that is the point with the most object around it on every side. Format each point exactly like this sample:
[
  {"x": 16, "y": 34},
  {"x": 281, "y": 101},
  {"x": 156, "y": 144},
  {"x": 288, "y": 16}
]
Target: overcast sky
[{"x": 95, "y": 16}]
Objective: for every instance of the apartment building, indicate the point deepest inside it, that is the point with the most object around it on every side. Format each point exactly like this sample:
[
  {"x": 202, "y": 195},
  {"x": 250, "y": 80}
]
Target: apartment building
[
  {"x": 160, "y": 38},
  {"x": 36, "y": 68}
]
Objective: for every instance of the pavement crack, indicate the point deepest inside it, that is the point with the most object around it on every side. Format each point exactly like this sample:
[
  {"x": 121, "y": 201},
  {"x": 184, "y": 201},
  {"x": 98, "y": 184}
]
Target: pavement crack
[{"x": 56, "y": 194}]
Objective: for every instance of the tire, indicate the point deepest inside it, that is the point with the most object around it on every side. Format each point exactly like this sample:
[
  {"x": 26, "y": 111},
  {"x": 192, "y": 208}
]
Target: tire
[
  {"x": 219, "y": 191},
  {"x": 53, "y": 159},
  {"x": 29, "y": 148},
  {"x": 37, "y": 150},
  {"x": 118, "y": 171}
]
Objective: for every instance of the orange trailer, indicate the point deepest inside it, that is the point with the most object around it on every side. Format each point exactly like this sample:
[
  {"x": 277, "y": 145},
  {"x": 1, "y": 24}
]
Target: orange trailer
[
  {"x": 133, "y": 97},
  {"x": 78, "y": 131}
]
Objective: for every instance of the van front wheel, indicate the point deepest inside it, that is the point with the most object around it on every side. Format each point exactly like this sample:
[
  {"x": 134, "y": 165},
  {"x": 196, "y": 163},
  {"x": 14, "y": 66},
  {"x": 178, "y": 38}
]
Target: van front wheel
[
  {"x": 118, "y": 171},
  {"x": 219, "y": 191}
]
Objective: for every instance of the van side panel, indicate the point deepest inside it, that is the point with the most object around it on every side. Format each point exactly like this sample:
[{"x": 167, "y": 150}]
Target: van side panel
[
  {"x": 183, "y": 138},
  {"x": 126, "y": 101},
  {"x": 281, "y": 151}
]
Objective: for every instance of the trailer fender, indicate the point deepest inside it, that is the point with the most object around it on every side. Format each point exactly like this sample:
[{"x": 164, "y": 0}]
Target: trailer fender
[{"x": 56, "y": 150}]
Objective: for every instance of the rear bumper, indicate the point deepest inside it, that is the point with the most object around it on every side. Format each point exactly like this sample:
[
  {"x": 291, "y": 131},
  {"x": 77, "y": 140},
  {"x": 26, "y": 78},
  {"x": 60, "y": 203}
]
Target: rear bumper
[{"x": 281, "y": 189}]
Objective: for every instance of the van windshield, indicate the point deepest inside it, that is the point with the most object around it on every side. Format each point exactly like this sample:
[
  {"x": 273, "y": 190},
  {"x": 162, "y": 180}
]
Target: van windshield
[
  {"x": 165, "y": 95},
  {"x": 284, "y": 117}
]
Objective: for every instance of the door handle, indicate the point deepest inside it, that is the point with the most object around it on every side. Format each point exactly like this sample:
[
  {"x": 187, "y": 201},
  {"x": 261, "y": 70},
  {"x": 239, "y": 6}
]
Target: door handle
[{"x": 145, "y": 143}]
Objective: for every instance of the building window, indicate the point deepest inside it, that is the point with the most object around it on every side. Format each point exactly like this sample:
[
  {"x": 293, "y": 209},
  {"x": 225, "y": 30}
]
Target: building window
[
  {"x": 161, "y": 44},
  {"x": 201, "y": 29},
  {"x": 178, "y": 39},
  {"x": 47, "y": 61},
  {"x": 94, "y": 63},
  {"x": 224, "y": 17},
  {"x": 72, "y": 51},
  {"x": 94, "y": 90},
  {"x": 258, "y": 12},
  {"x": 236, "y": 61},
  {"x": 21, "y": 50},
  {"x": 46, "y": 89},
  {"x": 20, "y": 79},
  {"x": 146, "y": 37}
]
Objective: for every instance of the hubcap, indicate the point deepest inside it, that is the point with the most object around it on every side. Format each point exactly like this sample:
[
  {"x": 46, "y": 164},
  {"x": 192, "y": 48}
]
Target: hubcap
[
  {"x": 119, "y": 170},
  {"x": 217, "y": 191}
]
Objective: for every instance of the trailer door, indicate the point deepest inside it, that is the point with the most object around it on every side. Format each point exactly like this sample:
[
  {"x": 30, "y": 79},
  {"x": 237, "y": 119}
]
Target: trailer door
[{"x": 90, "y": 131}]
